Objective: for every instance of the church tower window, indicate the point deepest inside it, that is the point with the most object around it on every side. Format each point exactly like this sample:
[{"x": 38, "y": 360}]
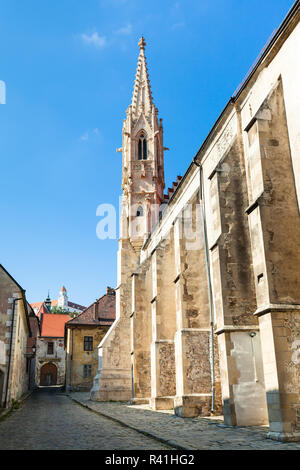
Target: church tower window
[
  {"x": 142, "y": 148},
  {"x": 140, "y": 212}
]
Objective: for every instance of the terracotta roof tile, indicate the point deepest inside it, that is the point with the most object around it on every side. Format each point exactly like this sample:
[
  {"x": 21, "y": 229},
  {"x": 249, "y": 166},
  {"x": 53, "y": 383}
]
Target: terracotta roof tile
[
  {"x": 79, "y": 307},
  {"x": 53, "y": 325},
  {"x": 39, "y": 304},
  {"x": 101, "y": 312},
  {"x": 43, "y": 309},
  {"x": 54, "y": 304}
]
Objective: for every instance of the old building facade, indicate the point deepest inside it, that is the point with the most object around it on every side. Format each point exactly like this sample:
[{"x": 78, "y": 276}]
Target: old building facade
[
  {"x": 31, "y": 347},
  {"x": 208, "y": 303},
  {"x": 82, "y": 337},
  {"x": 50, "y": 367},
  {"x": 14, "y": 333}
]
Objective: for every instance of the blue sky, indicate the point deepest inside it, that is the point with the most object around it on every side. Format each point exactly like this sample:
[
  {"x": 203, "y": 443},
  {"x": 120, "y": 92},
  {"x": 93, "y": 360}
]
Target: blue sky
[{"x": 69, "y": 68}]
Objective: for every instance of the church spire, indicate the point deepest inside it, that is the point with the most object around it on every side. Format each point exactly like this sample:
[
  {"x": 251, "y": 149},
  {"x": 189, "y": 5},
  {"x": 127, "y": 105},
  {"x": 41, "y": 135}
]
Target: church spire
[
  {"x": 48, "y": 302},
  {"x": 142, "y": 96},
  {"x": 143, "y": 160}
]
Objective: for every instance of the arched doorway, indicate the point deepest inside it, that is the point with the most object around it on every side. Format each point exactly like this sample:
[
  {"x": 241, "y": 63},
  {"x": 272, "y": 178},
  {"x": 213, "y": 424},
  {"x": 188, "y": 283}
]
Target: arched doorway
[{"x": 48, "y": 375}]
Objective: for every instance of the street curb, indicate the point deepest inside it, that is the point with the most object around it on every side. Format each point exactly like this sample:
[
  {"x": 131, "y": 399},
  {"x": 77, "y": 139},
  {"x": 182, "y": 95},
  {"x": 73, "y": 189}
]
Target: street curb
[
  {"x": 10, "y": 410},
  {"x": 145, "y": 433},
  {"x": 25, "y": 396},
  {"x": 5, "y": 413}
]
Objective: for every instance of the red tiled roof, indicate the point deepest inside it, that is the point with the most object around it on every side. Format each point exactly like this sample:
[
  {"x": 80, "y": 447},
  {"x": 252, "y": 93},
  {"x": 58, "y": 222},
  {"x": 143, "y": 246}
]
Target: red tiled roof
[
  {"x": 63, "y": 289},
  {"x": 53, "y": 325},
  {"x": 79, "y": 307},
  {"x": 54, "y": 304},
  {"x": 101, "y": 312},
  {"x": 43, "y": 309},
  {"x": 39, "y": 304}
]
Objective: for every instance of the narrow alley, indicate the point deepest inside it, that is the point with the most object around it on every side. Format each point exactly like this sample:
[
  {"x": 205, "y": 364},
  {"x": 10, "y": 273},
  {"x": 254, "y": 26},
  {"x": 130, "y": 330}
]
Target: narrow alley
[{"x": 49, "y": 420}]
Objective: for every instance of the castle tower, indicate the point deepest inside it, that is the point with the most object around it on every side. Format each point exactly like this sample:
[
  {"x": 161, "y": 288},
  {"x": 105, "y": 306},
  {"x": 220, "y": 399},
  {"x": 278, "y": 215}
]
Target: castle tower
[
  {"x": 143, "y": 160},
  {"x": 62, "y": 301}
]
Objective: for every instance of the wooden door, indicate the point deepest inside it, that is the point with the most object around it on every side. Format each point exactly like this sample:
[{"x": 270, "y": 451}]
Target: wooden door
[{"x": 48, "y": 375}]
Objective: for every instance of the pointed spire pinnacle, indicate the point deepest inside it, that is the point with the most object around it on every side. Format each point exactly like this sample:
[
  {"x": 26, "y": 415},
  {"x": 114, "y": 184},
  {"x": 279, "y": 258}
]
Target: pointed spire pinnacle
[
  {"x": 142, "y": 97},
  {"x": 142, "y": 43},
  {"x": 48, "y": 302}
]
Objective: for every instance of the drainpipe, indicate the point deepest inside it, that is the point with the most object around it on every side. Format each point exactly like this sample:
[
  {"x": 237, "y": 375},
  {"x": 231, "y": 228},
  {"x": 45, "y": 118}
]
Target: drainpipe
[
  {"x": 71, "y": 358},
  {"x": 211, "y": 305},
  {"x": 10, "y": 349},
  {"x": 132, "y": 384}
]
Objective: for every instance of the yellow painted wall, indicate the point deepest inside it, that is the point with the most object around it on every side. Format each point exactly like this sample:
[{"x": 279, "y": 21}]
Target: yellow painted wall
[{"x": 75, "y": 348}]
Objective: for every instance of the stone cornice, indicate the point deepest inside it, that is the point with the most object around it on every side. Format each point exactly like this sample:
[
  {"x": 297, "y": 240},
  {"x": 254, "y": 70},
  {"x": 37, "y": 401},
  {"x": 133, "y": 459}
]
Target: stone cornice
[
  {"x": 275, "y": 308},
  {"x": 234, "y": 328}
]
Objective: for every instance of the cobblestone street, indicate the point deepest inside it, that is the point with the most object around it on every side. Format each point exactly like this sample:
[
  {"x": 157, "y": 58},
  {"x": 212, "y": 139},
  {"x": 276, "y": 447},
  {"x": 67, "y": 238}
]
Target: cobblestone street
[
  {"x": 187, "y": 433},
  {"x": 50, "y": 420}
]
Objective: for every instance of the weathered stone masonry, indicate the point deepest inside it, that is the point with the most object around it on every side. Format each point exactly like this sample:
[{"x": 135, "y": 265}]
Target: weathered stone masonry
[{"x": 209, "y": 307}]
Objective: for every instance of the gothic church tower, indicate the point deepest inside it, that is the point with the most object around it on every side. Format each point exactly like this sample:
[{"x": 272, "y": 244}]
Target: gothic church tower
[
  {"x": 142, "y": 177},
  {"x": 143, "y": 160},
  {"x": 143, "y": 186}
]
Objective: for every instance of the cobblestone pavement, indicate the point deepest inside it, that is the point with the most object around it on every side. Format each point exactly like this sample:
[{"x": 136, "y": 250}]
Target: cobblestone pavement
[
  {"x": 50, "y": 420},
  {"x": 188, "y": 433}
]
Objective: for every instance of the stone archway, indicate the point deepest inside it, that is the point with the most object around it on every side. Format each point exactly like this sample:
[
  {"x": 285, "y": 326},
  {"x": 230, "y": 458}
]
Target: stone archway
[{"x": 48, "y": 375}]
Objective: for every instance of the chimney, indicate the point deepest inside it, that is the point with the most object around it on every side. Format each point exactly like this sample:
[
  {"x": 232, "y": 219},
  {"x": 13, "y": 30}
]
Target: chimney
[{"x": 110, "y": 291}]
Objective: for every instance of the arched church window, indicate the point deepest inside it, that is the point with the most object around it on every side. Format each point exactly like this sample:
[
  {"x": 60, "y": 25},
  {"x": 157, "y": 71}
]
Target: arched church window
[
  {"x": 142, "y": 148},
  {"x": 140, "y": 211}
]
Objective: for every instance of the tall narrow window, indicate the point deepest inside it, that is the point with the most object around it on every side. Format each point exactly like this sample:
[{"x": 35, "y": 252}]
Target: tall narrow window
[
  {"x": 140, "y": 212},
  {"x": 88, "y": 343},
  {"x": 87, "y": 371},
  {"x": 50, "y": 348},
  {"x": 145, "y": 150},
  {"x": 142, "y": 148}
]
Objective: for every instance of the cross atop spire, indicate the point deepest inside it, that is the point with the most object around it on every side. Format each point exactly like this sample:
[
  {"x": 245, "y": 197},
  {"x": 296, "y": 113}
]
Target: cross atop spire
[{"x": 142, "y": 96}]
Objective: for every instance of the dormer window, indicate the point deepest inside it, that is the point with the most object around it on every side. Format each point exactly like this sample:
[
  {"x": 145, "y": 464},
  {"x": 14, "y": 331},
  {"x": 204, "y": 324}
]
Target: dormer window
[{"x": 142, "y": 148}]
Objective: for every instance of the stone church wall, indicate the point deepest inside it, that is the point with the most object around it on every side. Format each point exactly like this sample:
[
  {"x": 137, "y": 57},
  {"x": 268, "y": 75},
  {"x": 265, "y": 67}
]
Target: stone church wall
[{"x": 214, "y": 319}]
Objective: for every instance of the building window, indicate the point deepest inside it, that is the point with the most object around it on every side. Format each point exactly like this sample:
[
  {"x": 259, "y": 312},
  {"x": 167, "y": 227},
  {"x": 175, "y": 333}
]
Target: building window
[
  {"x": 88, "y": 343},
  {"x": 140, "y": 212},
  {"x": 87, "y": 371},
  {"x": 142, "y": 148},
  {"x": 50, "y": 349}
]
